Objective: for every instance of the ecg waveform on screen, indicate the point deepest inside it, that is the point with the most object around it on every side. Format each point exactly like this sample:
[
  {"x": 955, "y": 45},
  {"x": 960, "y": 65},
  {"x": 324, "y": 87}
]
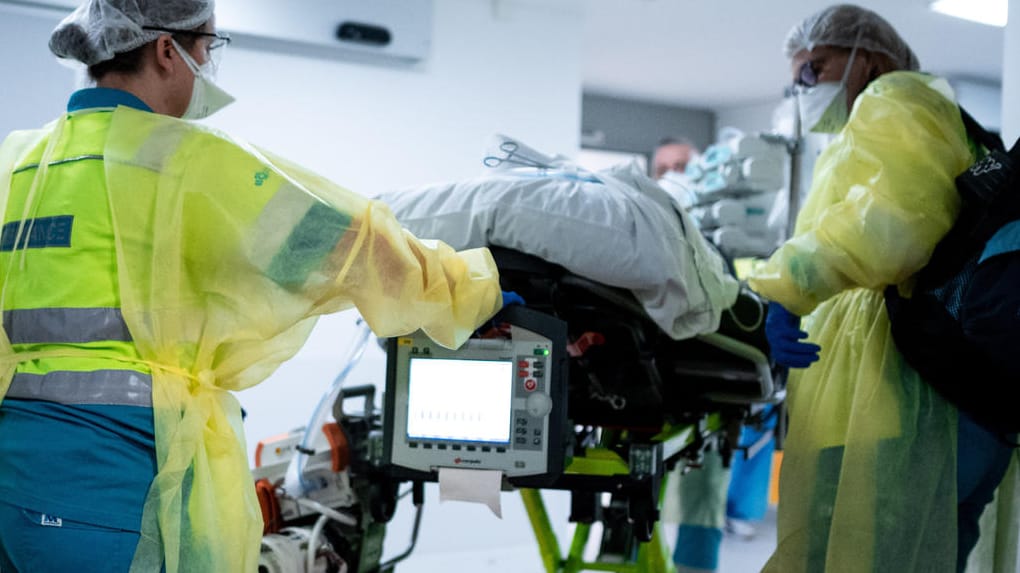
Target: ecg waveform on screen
[
  {"x": 456, "y": 424},
  {"x": 447, "y": 416}
]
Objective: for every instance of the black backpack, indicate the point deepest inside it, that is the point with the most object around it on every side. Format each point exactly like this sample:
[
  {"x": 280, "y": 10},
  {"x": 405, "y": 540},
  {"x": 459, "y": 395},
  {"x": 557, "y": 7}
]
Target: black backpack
[{"x": 960, "y": 329}]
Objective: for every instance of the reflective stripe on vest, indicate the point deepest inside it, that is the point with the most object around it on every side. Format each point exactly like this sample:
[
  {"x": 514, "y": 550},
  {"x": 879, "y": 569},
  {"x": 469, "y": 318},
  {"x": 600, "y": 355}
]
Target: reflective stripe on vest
[
  {"x": 98, "y": 387},
  {"x": 65, "y": 325},
  {"x": 57, "y": 162}
]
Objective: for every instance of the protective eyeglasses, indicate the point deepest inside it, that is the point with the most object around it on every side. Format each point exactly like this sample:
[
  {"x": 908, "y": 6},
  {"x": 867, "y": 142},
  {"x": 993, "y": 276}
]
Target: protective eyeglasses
[
  {"x": 219, "y": 39},
  {"x": 807, "y": 76}
]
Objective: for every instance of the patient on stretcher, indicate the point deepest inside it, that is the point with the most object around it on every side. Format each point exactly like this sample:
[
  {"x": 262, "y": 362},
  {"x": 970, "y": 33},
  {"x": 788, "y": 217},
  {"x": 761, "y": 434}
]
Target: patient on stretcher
[
  {"x": 615, "y": 227},
  {"x": 617, "y": 258}
]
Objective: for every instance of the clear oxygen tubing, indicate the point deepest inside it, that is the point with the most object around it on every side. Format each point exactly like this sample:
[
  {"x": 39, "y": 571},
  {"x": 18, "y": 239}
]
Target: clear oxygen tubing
[
  {"x": 295, "y": 483},
  {"x": 313, "y": 541},
  {"x": 761, "y": 312}
]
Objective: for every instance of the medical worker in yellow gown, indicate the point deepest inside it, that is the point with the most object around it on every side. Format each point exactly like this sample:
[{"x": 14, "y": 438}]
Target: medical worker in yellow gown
[
  {"x": 880, "y": 473},
  {"x": 150, "y": 266}
]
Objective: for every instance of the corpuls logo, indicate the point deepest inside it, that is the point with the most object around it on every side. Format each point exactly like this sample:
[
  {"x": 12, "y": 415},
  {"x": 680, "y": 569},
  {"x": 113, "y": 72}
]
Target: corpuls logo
[{"x": 459, "y": 461}]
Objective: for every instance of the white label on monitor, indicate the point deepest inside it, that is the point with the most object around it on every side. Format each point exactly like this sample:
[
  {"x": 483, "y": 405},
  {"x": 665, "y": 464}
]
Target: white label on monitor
[{"x": 460, "y": 400}]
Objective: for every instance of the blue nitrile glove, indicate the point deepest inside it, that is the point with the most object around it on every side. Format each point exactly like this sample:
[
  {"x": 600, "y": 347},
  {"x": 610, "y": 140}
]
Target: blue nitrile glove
[
  {"x": 510, "y": 297},
  {"x": 782, "y": 328}
]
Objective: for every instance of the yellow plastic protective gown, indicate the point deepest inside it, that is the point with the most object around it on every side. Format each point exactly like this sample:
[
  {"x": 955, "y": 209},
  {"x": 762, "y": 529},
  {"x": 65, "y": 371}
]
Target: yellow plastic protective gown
[
  {"x": 868, "y": 480},
  {"x": 14, "y": 147},
  {"x": 224, "y": 257}
]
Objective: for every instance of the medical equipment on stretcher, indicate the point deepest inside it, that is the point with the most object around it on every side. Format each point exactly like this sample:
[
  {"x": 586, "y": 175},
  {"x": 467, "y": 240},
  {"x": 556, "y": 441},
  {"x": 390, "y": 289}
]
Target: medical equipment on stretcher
[
  {"x": 582, "y": 392},
  {"x": 337, "y": 522},
  {"x": 496, "y": 403},
  {"x": 733, "y": 189}
]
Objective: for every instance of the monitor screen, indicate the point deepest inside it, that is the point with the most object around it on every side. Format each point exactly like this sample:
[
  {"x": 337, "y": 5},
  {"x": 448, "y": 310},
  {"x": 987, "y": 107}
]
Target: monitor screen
[{"x": 459, "y": 400}]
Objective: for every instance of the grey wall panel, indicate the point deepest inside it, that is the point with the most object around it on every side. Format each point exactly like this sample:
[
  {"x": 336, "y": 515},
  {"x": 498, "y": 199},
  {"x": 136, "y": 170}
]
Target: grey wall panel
[{"x": 636, "y": 126}]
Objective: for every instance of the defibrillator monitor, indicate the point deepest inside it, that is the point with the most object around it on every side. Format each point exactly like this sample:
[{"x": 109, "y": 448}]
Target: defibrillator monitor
[
  {"x": 466, "y": 400},
  {"x": 494, "y": 404}
]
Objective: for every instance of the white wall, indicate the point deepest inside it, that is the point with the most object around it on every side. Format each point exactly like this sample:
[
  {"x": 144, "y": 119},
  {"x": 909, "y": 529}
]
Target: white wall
[
  {"x": 982, "y": 99},
  {"x": 34, "y": 87},
  {"x": 371, "y": 128},
  {"x": 1011, "y": 76},
  {"x": 748, "y": 118}
]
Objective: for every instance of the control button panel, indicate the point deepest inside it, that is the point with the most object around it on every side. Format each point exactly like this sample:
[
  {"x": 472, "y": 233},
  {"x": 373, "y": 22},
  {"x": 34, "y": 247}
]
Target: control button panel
[
  {"x": 529, "y": 431},
  {"x": 530, "y": 376}
]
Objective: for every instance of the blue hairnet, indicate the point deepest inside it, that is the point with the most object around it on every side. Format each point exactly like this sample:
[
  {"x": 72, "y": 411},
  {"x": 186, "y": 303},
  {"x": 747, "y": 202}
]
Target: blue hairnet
[
  {"x": 840, "y": 26},
  {"x": 100, "y": 29}
]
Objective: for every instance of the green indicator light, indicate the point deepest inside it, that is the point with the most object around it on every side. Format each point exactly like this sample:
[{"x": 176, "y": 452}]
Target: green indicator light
[{"x": 541, "y": 352}]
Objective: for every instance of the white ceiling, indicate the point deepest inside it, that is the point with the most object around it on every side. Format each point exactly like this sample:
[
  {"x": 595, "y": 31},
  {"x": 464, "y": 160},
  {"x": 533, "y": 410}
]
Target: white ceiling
[{"x": 716, "y": 54}]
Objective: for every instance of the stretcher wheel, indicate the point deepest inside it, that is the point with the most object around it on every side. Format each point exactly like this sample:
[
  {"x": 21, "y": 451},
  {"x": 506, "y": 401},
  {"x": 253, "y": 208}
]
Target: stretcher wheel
[{"x": 617, "y": 539}]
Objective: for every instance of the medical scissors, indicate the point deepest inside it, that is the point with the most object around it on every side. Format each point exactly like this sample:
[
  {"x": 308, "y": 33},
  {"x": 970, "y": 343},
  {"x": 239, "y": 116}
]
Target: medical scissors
[{"x": 510, "y": 148}]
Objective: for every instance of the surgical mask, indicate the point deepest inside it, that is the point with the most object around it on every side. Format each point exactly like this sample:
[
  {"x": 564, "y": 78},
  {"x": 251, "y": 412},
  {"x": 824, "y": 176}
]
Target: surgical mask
[
  {"x": 674, "y": 177},
  {"x": 823, "y": 107},
  {"x": 679, "y": 185},
  {"x": 206, "y": 97}
]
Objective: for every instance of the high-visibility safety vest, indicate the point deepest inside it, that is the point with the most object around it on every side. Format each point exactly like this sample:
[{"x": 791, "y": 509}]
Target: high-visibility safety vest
[
  {"x": 146, "y": 260},
  {"x": 64, "y": 297}
]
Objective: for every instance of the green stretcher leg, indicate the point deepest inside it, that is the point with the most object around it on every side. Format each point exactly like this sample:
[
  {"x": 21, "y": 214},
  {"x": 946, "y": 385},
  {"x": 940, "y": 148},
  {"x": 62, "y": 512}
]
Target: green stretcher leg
[
  {"x": 548, "y": 545},
  {"x": 652, "y": 557}
]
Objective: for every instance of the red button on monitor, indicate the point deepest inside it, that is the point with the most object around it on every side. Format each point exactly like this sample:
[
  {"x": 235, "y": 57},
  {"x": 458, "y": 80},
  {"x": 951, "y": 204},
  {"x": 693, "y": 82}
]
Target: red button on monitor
[
  {"x": 523, "y": 364},
  {"x": 530, "y": 385},
  {"x": 523, "y": 374}
]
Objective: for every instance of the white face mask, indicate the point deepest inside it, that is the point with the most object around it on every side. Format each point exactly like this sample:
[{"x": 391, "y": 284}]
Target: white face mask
[
  {"x": 206, "y": 97},
  {"x": 823, "y": 108},
  {"x": 679, "y": 185}
]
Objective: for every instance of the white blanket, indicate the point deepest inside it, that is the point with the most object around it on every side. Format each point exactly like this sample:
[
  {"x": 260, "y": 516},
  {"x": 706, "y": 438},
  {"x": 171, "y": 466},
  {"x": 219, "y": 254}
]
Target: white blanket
[{"x": 614, "y": 227}]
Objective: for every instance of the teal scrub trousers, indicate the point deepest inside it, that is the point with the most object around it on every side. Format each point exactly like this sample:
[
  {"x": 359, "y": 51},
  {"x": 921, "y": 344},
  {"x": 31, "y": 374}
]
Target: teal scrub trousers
[{"x": 35, "y": 542}]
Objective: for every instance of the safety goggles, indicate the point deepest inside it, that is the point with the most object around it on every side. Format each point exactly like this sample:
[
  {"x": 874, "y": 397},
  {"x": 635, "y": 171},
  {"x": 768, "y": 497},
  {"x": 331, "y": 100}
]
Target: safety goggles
[
  {"x": 213, "y": 52},
  {"x": 219, "y": 39},
  {"x": 807, "y": 76}
]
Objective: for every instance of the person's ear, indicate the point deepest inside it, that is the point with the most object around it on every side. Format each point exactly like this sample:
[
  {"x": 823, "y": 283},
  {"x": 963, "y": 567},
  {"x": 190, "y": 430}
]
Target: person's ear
[
  {"x": 166, "y": 55},
  {"x": 868, "y": 67},
  {"x": 879, "y": 64},
  {"x": 874, "y": 69},
  {"x": 873, "y": 74}
]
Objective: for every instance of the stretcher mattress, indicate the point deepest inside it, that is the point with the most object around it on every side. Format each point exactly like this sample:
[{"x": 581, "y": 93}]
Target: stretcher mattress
[{"x": 614, "y": 226}]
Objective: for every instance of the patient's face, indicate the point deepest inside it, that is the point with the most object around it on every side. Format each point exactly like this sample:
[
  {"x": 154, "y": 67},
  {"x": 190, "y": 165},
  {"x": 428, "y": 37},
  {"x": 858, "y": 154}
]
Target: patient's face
[{"x": 672, "y": 157}]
